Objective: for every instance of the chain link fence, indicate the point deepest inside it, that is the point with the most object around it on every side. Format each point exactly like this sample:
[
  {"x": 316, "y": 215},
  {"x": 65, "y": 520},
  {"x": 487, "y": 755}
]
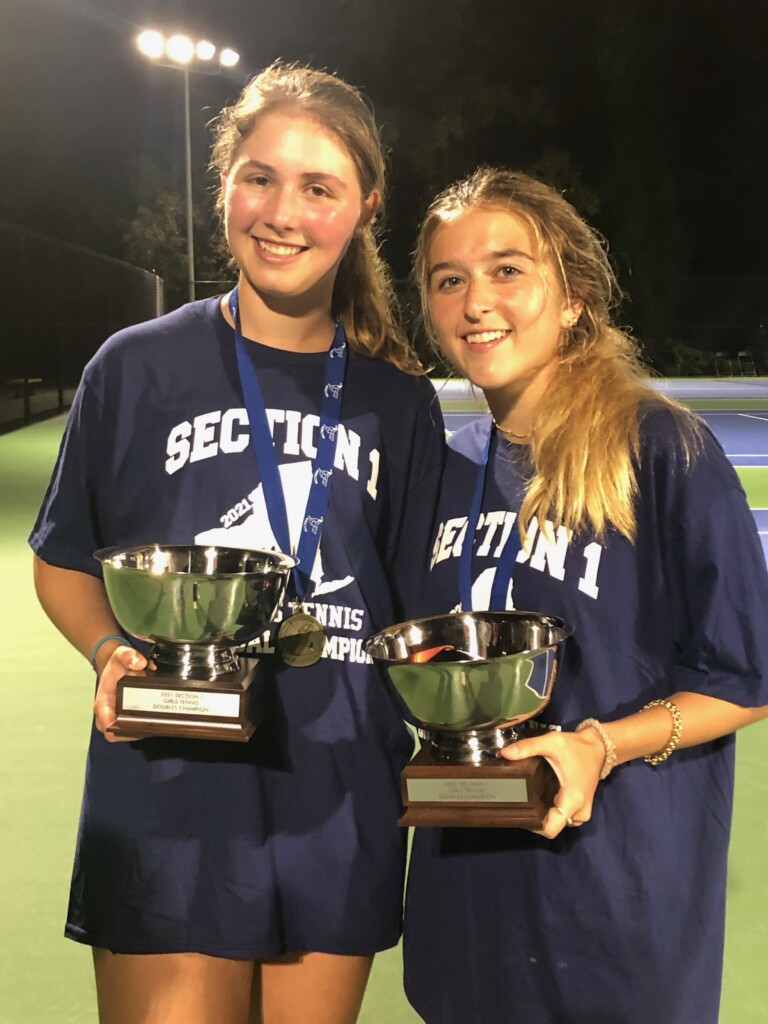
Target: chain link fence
[{"x": 58, "y": 303}]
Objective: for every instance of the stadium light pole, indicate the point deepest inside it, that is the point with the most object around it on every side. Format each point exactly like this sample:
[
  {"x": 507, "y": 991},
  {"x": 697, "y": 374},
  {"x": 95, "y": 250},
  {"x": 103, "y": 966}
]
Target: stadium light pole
[{"x": 184, "y": 54}]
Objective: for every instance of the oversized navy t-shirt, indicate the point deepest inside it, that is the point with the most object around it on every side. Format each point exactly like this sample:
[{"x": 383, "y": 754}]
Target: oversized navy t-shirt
[
  {"x": 289, "y": 842},
  {"x": 620, "y": 921}
]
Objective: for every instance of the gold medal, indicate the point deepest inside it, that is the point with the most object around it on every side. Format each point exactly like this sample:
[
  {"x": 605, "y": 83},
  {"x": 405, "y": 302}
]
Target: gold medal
[{"x": 301, "y": 640}]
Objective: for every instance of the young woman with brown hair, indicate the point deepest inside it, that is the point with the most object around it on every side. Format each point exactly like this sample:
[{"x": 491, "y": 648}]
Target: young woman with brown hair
[{"x": 222, "y": 883}]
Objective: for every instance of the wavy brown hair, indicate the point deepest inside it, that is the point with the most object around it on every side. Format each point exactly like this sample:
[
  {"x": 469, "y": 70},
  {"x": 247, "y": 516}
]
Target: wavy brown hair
[
  {"x": 363, "y": 295},
  {"x": 585, "y": 443}
]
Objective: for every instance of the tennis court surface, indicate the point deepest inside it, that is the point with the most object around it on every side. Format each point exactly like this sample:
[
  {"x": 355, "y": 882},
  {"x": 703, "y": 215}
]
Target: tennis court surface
[
  {"x": 44, "y": 728},
  {"x": 736, "y": 411}
]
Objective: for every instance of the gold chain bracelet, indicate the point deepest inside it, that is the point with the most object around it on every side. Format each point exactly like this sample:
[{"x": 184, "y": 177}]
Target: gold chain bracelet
[{"x": 677, "y": 729}]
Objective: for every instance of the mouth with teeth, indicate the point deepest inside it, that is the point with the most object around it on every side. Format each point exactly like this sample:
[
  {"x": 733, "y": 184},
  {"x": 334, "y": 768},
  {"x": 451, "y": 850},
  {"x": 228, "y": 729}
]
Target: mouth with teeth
[
  {"x": 279, "y": 249},
  {"x": 486, "y": 337}
]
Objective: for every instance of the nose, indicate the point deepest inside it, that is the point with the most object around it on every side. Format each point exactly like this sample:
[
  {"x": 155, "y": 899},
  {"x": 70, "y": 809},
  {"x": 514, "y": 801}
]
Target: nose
[
  {"x": 478, "y": 299},
  {"x": 281, "y": 213}
]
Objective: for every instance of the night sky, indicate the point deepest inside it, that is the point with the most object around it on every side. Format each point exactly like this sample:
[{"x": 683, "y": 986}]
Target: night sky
[{"x": 653, "y": 116}]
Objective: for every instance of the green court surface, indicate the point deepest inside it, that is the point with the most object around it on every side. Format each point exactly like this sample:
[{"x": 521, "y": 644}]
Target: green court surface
[
  {"x": 44, "y": 727},
  {"x": 754, "y": 480},
  {"x": 725, "y": 404}
]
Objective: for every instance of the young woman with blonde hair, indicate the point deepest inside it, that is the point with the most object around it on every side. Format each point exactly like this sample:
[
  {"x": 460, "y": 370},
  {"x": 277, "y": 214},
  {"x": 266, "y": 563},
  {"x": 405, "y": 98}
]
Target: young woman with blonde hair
[
  {"x": 222, "y": 883},
  {"x": 612, "y": 507}
]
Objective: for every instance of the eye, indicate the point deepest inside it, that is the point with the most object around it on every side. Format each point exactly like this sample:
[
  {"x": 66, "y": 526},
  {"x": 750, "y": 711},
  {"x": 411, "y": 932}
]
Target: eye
[
  {"x": 260, "y": 180},
  {"x": 319, "y": 191},
  {"x": 445, "y": 284},
  {"x": 507, "y": 271}
]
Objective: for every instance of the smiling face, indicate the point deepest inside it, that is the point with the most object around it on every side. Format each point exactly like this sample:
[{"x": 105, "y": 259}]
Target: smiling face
[
  {"x": 292, "y": 201},
  {"x": 497, "y": 308}
]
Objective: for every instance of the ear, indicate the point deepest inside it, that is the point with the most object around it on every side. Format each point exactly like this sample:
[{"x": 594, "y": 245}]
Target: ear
[
  {"x": 370, "y": 207},
  {"x": 571, "y": 313}
]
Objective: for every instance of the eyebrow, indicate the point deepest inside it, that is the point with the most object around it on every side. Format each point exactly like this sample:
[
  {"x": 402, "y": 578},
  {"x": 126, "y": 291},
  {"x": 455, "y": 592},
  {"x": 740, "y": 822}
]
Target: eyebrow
[
  {"x": 497, "y": 254},
  {"x": 515, "y": 253},
  {"x": 447, "y": 265},
  {"x": 306, "y": 175}
]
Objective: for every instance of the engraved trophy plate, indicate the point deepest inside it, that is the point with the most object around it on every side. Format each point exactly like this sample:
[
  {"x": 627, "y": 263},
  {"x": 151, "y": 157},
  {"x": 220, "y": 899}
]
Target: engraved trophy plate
[
  {"x": 466, "y": 680},
  {"x": 195, "y": 604}
]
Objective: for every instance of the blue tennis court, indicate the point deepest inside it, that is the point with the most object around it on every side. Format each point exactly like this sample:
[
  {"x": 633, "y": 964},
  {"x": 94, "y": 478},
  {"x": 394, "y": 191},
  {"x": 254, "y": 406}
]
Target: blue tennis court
[
  {"x": 735, "y": 410},
  {"x": 743, "y": 435}
]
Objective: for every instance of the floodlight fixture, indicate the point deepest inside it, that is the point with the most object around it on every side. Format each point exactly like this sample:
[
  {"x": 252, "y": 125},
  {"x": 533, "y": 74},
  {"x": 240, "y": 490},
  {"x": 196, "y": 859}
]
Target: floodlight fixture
[
  {"x": 205, "y": 50},
  {"x": 228, "y": 58},
  {"x": 151, "y": 44},
  {"x": 185, "y": 55},
  {"x": 180, "y": 49}
]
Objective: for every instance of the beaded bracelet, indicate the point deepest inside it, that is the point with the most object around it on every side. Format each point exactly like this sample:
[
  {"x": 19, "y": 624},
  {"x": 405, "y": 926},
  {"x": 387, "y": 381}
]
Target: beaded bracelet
[
  {"x": 677, "y": 729},
  {"x": 610, "y": 747},
  {"x": 97, "y": 645}
]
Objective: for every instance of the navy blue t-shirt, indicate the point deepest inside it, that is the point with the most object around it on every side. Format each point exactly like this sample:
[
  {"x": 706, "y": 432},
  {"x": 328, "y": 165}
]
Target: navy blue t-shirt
[
  {"x": 622, "y": 920},
  {"x": 289, "y": 842}
]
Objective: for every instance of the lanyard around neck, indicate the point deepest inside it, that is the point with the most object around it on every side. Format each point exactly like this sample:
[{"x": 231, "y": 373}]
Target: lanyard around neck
[
  {"x": 506, "y": 563},
  {"x": 266, "y": 459}
]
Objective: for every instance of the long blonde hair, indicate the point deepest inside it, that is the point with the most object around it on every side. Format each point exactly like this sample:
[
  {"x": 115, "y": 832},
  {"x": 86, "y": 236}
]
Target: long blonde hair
[
  {"x": 363, "y": 295},
  {"x": 586, "y": 435}
]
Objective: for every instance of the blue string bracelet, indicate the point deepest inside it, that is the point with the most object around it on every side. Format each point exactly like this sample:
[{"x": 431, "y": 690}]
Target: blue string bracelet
[{"x": 97, "y": 645}]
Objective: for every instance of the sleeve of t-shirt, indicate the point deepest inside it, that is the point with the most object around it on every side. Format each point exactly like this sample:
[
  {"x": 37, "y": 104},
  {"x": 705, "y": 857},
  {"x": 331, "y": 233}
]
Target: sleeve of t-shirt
[
  {"x": 66, "y": 532},
  {"x": 719, "y": 573}
]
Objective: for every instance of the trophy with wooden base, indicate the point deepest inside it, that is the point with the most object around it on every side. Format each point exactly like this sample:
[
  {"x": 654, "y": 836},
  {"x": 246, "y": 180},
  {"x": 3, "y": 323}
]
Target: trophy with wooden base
[
  {"x": 467, "y": 680},
  {"x": 195, "y": 604}
]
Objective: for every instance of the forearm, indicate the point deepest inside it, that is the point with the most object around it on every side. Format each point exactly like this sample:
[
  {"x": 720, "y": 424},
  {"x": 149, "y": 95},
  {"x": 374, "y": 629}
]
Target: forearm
[
  {"x": 77, "y": 604},
  {"x": 702, "y": 719}
]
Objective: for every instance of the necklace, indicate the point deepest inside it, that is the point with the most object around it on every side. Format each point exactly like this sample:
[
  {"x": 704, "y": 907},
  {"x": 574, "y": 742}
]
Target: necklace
[{"x": 509, "y": 433}]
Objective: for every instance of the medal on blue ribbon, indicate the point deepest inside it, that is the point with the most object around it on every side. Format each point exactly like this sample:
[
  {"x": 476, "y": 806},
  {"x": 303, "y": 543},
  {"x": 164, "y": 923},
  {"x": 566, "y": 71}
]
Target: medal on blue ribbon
[
  {"x": 506, "y": 562},
  {"x": 301, "y": 638}
]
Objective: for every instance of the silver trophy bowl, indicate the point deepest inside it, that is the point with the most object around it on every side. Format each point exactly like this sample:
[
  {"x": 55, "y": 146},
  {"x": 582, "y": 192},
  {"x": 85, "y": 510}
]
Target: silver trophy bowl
[
  {"x": 194, "y": 602},
  {"x": 468, "y": 678}
]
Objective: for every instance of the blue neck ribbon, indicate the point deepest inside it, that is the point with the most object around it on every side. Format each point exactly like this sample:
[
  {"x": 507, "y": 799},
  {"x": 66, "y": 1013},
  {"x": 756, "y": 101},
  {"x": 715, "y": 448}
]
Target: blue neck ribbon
[
  {"x": 505, "y": 565},
  {"x": 266, "y": 459}
]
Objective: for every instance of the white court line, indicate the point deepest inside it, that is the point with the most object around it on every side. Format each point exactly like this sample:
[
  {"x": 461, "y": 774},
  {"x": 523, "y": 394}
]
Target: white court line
[
  {"x": 714, "y": 413},
  {"x": 751, "y": 416}
]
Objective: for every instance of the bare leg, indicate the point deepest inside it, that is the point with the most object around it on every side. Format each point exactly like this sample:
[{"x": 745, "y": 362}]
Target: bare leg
[
  {"x": 317, "y": 987},
  {"x": 172, "y": 988}
]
